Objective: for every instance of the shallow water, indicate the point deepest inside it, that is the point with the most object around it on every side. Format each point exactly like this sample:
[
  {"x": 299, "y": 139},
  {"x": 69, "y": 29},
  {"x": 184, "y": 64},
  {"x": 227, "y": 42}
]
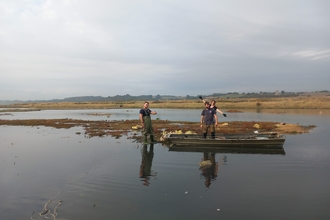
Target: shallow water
[{"x": 107, "y": 178}]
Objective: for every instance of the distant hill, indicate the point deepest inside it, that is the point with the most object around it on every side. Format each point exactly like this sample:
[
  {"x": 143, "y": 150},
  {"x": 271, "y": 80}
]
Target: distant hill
[{"x": 128, "y": 97}]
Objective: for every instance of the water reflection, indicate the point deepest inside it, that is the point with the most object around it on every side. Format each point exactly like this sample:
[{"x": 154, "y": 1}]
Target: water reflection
[
  {"x": 299, "y": 174},
  {"x": 146, "y": 164},
  {"x": 232, "y": 150},
  {"x": 209, "y": 168}
]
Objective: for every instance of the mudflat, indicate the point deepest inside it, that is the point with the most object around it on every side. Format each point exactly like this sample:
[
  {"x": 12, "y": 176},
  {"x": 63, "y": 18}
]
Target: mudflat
[{"x": 129, "y": 128}]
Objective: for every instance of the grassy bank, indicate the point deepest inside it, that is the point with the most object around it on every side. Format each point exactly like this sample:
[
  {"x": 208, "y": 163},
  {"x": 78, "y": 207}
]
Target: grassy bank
[{"x": 301, "y": 102}]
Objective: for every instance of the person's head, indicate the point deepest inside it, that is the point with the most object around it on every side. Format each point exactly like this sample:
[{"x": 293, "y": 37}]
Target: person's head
[
  {"x": 146, "y": 105},
  {"x": 212, "y": 102},
  {"x": 207, "y": 104}
]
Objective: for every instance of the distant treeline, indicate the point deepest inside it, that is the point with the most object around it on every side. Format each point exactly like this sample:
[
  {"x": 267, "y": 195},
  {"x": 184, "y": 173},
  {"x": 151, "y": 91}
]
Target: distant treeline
[{"x": 128, "y": 97}]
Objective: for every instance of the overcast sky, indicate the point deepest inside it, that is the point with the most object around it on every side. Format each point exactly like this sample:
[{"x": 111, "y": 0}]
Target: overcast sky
[{"x": 52, "y": 49}]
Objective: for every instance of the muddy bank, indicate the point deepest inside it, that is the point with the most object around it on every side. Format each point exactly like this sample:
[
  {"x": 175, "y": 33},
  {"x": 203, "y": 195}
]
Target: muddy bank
[{"x": 120, "y": 128}]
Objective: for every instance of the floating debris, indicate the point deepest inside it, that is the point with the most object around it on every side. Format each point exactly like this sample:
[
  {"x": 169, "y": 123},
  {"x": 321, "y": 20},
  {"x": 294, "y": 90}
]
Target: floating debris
[
  {"x": 136, "y": 127},
  {"x": 190, "y": 132}
]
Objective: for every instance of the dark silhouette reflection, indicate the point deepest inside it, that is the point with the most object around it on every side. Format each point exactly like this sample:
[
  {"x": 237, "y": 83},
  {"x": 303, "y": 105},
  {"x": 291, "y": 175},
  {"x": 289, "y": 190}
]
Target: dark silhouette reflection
[
  {"x": 146, "y": 164},
  {"x": 209, "y": 168},
  {"x": 228, "y": 150}
]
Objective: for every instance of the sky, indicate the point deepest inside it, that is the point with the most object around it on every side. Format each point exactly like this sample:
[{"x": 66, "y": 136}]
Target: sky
[{"x": 54, "y": 49}]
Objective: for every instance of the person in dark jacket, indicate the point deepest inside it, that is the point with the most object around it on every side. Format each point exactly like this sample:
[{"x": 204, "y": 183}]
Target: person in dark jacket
[
  {"x": 209, "y": 120},
  {"x": 145, "y": 119}
]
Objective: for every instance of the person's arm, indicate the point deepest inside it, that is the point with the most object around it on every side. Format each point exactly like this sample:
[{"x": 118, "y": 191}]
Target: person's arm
[
  {"x": 202, "y": 119},
  {"x": 216, "y": 119},
  {"x": 218, "y": 110},
  {"x": 141, "y": 119},
  {"x": 153, "y": 112},
  {"x": 202, "y": 99}
]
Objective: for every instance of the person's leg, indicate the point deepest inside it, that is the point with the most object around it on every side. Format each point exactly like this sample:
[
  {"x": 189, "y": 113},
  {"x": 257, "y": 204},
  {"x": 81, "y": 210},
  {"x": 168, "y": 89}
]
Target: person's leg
[
  {"x": 152, "y": 140},
  {"x": 145, "y": 138},
  {"x": 148, "y": 130},
  {"x": 212, "y": 128},
  {"x": 213, "y": 135},
  {"x": 208, "y": 128},
  {"x": 204, "y": 127}
]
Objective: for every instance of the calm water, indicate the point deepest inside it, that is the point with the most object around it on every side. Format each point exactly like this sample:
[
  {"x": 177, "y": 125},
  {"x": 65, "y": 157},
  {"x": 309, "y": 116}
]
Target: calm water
[{"x": 106, "y": 178}]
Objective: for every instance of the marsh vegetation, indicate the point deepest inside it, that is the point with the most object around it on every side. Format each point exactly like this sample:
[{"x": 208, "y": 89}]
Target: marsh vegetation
[
  {"x": 119, "y": 128},
  {"x": 300, "y": 102}
]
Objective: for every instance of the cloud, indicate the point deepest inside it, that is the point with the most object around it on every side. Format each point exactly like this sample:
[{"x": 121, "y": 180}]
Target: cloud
[
  {"x": 56, "y": 49},
  {"x": 313, "y": 54}
]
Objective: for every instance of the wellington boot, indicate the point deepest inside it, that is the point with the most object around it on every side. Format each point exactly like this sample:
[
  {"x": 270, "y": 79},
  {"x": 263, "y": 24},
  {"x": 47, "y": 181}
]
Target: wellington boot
[
  {"x": 145, "y": 139},
  {"x": 152, "y": 140},
  {"x": 213, "y": 135}
]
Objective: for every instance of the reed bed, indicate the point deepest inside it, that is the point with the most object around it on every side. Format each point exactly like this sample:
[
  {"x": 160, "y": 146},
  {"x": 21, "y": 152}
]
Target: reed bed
[{"x": 301, "y": 102}]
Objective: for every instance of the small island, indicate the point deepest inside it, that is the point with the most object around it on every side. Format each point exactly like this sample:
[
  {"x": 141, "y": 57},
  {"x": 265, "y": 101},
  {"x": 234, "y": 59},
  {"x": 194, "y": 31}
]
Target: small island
[{"x": 129, "y": 129}]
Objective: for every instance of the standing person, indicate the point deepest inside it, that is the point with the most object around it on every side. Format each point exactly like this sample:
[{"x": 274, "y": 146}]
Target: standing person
[
  {"x": 209, "y": 120},
  {"x": 214, "y": 106},
  {"x": 145, "y": 119}
]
